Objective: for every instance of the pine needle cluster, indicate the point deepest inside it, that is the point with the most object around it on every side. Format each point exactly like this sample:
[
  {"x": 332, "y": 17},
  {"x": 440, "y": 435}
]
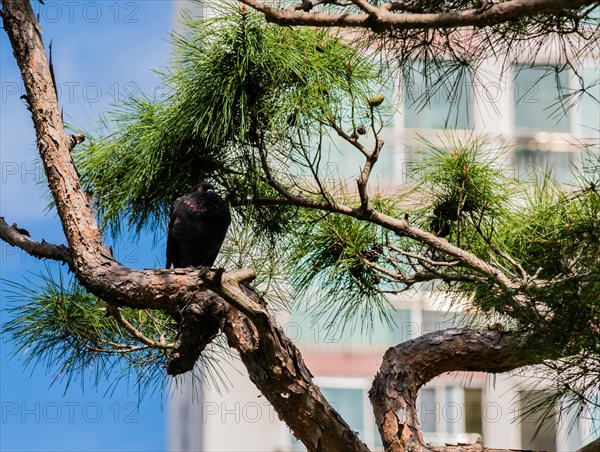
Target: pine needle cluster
[
  {"x": 462, "y": 187},
  {"x": 331, "y": 277},
  {"x": 56, "y": 323},
  {"x": 235, "y": 81}
]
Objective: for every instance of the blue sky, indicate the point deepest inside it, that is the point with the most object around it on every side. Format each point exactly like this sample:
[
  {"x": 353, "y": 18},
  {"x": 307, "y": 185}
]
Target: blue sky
[{"x": 102, "y": 51}]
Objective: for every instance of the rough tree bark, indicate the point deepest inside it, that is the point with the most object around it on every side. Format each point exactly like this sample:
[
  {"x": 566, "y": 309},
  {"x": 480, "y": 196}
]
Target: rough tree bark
[
  {"x": 275, "y": 365},
  {"x": 405, "y": 16},
  {"x": 408, "y": 366},
  {"x": 209, "y": 302}
]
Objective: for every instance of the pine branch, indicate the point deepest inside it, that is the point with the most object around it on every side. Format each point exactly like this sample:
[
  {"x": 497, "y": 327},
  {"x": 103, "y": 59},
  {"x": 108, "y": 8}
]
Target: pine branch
[
  {"x": 19, "y": 237},
  {"x": 135, "y": 333},
  {"x": 385, "y": 17}
]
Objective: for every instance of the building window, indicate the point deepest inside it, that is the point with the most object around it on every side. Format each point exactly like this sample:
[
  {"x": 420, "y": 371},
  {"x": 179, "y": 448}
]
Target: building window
[
  {"x": 473, "y": 411},
  {"x": 349, "y": 397},
  {"x": 586, "y": 114},
  {"x": 305, "y": 329},
  {"x": 529, "y": 162},
  {"x": 441, "y": 101},
  {"x": 537, "y": 92},
  {"x": 593, "y": 414},
  {"x": 446, "y": 413},
  {"x": 428, "y": 410},
  {"x": 349, "y": 403},
  {"x": 441, "y": 320},
  {"x": 547, "y": 104},
  {"x": 450, "y": 414}
]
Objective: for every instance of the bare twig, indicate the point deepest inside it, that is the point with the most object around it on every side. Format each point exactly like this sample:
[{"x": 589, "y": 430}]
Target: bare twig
[
  {"x": 114, "y": 347},
  {"x": 137, "y": 334},
  {"x": 350, "y": 138},
  {"x": 417, "y": 276},
  {"x": 15, "y": 236},
  {"x": 423, "y": 258},
  {"x": 365, "y": 204},
  {"x": 313, "y": 166}
]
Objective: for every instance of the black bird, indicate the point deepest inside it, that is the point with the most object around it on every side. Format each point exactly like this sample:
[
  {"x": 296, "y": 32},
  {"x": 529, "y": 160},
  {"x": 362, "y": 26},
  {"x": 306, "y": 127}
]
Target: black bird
[{"x": 197, "y": 228}]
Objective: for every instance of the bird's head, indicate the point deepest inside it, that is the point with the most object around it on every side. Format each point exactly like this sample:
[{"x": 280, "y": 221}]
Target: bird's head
[{"x": 205, "y": 187}]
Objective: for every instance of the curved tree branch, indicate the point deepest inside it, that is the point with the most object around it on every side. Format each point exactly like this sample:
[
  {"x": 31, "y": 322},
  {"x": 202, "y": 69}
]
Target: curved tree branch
[
  {"x": 15, "y": 236},
  {"x": 408, "y": 366},
  {"x": 135, "y": 333},
  {"x": 393, "y": 16}
]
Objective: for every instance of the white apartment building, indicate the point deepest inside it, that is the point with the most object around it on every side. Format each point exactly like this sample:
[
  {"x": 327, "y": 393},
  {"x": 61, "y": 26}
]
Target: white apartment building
[{"x": 513, "y": 107}]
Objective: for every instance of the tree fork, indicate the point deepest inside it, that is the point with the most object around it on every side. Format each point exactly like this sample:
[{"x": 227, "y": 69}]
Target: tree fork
[
  {"x": 87, "y": 255},
  {"x": 277, "y": 368}
]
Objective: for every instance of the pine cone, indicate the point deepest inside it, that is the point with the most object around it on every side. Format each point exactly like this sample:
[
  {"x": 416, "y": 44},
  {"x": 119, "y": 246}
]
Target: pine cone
[
  {"x": 440, "y": 227},
  {"x": 377, "y": 247},
  {"x": 357, "y": 272},
  {"x": 446, "y": 210},
  {"x": 375, "y": 101},
  {"x": 370, "y": 255},
  {"x": 336, "y": 249}
]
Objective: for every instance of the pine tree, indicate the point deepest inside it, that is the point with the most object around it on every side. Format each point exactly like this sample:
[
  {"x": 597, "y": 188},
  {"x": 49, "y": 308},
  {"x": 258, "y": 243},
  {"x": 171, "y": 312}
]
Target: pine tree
[{"x": 255, "y": 108}]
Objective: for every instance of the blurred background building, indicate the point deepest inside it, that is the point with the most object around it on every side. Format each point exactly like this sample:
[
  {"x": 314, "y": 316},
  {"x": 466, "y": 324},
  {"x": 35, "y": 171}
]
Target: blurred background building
[{"x": 516, "y": 107}]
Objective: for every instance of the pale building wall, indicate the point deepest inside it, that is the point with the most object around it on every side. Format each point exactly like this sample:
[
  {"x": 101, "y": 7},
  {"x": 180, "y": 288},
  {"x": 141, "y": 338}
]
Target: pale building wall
[
  {"x": 233, "y": 418},
  {"x": 185, "y": 423},
  {"x": 499, "y": 428},
  {"x": 493, "y": 101},
  {"x": 242, "y": 420}
]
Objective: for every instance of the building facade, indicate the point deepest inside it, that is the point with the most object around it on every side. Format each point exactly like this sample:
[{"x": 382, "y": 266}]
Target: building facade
[{"x": 513, "y": 107}]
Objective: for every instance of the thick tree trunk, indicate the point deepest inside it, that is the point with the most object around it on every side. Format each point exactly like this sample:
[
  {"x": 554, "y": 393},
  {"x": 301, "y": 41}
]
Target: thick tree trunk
[
  {"x": 277, "y": 369},
  {"x": 54, "y": 144},
  {"x": 408, "y": 366}
]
